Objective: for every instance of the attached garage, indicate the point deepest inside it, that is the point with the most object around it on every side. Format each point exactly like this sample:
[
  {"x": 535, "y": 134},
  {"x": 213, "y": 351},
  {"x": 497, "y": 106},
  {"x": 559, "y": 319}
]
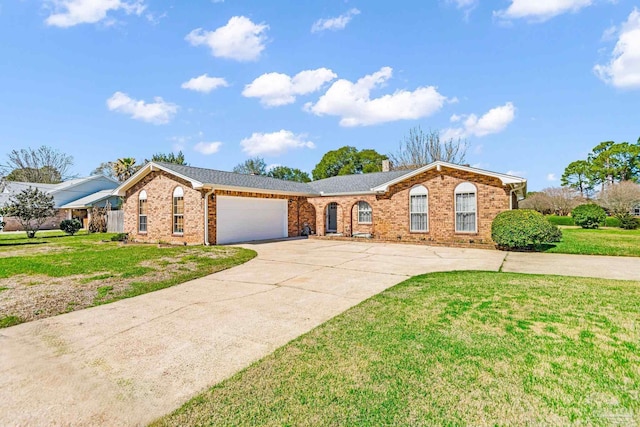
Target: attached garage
[{"x": 241, "y": 219}]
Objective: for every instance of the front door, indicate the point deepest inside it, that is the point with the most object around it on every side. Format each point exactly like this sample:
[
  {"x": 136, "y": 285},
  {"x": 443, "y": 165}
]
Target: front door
[{"x": 332, "y": 217}]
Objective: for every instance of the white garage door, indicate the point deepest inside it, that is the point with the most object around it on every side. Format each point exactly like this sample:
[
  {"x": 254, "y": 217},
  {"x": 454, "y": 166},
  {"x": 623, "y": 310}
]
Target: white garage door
[{"x": 240, "y": 219}]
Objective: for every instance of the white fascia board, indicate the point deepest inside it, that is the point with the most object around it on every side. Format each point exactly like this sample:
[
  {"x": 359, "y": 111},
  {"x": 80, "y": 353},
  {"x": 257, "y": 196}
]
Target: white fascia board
[
  {"x": 349, "y": 193},
  {"x": 147, "y": 169},
  {"x": 506, "y": 179},
  {"x": 257, "y": 190}
]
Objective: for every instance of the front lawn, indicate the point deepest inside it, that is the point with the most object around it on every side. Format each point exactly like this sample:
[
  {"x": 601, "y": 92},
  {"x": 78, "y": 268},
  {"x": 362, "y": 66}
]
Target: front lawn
[
  {"x": 603, "y": 241},
  {"x": 461, "y": 348},
  {"x": 53, "y": 273}
]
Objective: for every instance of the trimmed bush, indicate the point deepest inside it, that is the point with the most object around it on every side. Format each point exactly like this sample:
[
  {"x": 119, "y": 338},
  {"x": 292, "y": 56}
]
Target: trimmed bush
[
  {"x": 589, "y": 215},
  {"x": 628, "y": 222},
  {"x": 612, "y": 221},
  {"x": 523, "y": 229},
  {"x": 560, "y": 220},
  {"x": 70, "y": 226},
  {"x": 120, "y": 237}
]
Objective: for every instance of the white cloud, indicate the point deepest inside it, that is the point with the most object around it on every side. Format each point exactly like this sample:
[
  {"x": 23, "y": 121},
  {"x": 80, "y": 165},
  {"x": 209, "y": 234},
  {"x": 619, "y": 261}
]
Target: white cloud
[
  {"x": 493, "y": 121},
  {"x": 67, "y": 13},
  {"x": 239, "y": 39},
  {"x": 540, "y": 10},
  {"x": 204, "y": 83},
  {"x": 623, "y": 70},
  {"x": 274, "y": 144},
  {"x": 275, "y": 89},
  {"x": 158, "y": 112},
  {"x": 207, "y": 148},
  {"x": 551, "y": 177},
  {"x": 334, "y": 24},
  {"x": 353, "y": 104}
]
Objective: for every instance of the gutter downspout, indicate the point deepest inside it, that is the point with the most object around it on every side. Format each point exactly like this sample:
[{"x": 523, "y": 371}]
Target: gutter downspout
[{"x": 206, "y": 217}]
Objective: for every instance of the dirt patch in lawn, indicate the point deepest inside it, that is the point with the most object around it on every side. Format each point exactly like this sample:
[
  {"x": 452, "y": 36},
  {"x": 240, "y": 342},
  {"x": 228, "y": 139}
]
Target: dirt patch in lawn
[
  {"x": 32, "y": 297},
  {"x": 37, "y": 249}
]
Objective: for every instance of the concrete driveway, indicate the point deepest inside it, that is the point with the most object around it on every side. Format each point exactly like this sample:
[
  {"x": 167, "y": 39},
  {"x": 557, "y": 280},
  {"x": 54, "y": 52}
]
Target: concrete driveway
[{"x": 132, "y": 361}]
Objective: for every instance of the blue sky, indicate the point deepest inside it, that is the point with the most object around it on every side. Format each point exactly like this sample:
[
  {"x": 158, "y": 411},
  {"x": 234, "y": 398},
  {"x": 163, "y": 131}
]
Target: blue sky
[{"x": 531, "y": 85}]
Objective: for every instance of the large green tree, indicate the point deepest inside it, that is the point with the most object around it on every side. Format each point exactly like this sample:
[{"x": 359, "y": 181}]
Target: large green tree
[
  {"x": 44, "y": 165},
  {"x": 608, "y": 163},
  {"x": 348, "y": 160},
  {"x": 289, "y": 174},
  {"x": 31, "y": 207},
  {"x": 174, "y": 158},
  {"x": 252, "y": 166},
  {"x": 579, "y": 175}
]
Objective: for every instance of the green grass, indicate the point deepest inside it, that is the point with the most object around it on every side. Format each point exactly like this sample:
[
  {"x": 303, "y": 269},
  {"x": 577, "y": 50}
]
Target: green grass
[
  {"x": 94, "y": 257},
  {"x": 603, "y": 241},
  {"x": 462, "y": 348},
  {"x": 567, "y": 220},
  {"x": 6, "y": 321}
]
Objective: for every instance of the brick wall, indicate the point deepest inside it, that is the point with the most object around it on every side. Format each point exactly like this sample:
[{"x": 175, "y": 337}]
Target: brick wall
[
  {"x": 159, "y": 187},
  {"x": 391, "y": 210},
  {"x": 53, "y": 223}
]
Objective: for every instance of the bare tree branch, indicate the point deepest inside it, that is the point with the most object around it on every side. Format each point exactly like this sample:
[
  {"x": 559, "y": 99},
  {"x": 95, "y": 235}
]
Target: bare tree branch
[{"x": 420, "y": 148}]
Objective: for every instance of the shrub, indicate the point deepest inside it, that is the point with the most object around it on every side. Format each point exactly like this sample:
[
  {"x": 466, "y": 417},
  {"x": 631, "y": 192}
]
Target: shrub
[
  {"x": 589, "y": 215},
  {"x": 560, "y": 220},
  {"x": 70, "y": 226},
  {"x": 612, "y": 221},
  {"x": 120, "y": 237},
  {"x": 523, "y": 230},
  {"x": 628, "y": 222}
]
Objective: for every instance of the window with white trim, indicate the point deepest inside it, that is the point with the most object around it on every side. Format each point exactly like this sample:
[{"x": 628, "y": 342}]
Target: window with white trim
[
  {"x": 365, "y": 213},
  {"x": 419, "y": 209},
  {"x": 142, "y": 212},
  {"x": 466, "y": 208},
  {"x": 178, "y": 211}
]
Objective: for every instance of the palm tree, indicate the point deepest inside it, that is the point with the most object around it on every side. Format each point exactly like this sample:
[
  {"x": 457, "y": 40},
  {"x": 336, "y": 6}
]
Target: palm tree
[{"x": 125, "y": 167}]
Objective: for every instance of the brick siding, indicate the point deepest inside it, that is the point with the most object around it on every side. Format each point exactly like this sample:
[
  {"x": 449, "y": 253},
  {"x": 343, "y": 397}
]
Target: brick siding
[
  {"x": 160, "y": 185},
  {"x": 390, "y": 220}
]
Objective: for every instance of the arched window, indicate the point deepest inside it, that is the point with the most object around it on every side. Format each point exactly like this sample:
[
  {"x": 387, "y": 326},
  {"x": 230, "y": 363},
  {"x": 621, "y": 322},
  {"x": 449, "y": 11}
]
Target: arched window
[
  {"x": 365, "y": 213},
  {"x": 142, "y": 212},
  {"x": 419, "y": 209},
  {"x": 466, "y": 208},
  {"x": 178, "y": 211}
]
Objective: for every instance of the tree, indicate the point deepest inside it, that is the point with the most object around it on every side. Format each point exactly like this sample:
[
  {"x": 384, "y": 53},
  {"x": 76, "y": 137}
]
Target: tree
[
  {"x": 579, "y": 175},
  {"x": 289, "y": 174},
  {"x": 552, "y": 200},
  {"x": 620, "y": 198},
  {"x": 370, "y": 160},
  {"x": 348, "y": 160},
  {"x": 177, "y": 159},
  {"x": 31, "y": 207},
  {"x": 44, "y": 165},
  {"x": 124, "y": 168},
  {"x": 615, "y": 162},
  {"x": 106, "y": 169},
  {"x": 420, "y": 148},
  {"x": 252, "y": 166}
]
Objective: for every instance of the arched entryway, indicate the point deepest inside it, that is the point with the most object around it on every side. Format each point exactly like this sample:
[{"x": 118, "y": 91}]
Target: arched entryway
[
  {"x": 331, "y": 218},
  {"x": 307, "y": 219},
  {"x": 361, "y": 219}
]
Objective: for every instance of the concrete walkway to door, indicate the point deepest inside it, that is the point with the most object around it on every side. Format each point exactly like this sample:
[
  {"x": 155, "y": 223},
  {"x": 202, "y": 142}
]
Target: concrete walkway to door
[{"x": 130, "y": 362}]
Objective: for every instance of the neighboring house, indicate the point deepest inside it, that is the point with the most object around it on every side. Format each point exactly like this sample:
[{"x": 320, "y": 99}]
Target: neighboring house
[
  {"x": 439, "y": 203},
  {"x": 72, "y": 199}
]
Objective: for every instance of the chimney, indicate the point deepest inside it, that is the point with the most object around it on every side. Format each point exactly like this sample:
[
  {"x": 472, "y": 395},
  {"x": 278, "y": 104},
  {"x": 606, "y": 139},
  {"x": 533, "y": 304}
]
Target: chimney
[{"x": 386, "y": 166}]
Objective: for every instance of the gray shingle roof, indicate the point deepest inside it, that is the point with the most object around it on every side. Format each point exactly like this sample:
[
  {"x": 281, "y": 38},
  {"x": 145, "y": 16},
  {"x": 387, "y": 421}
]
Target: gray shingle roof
[
  {"x": 211, "y": 176},
  {"x": 355, "y": 183},
  {"x": 337, "y": 184}
]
